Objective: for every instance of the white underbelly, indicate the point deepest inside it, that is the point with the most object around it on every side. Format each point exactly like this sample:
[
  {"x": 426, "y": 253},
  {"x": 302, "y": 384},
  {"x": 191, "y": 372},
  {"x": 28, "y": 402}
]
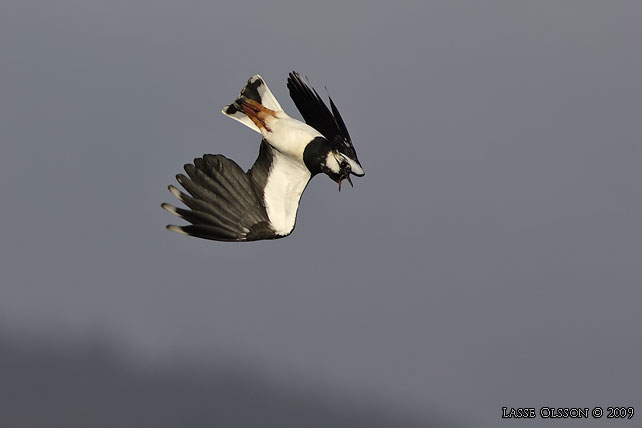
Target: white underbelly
[{"x": 286, "y": 182}]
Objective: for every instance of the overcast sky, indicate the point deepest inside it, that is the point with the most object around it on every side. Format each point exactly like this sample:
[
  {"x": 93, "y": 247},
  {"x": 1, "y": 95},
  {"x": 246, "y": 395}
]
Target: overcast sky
[{"x": 491, "y": 256}]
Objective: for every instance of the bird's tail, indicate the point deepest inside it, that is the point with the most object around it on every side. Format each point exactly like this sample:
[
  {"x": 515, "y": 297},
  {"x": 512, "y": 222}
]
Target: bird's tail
[{"x": 256, "y": 90}]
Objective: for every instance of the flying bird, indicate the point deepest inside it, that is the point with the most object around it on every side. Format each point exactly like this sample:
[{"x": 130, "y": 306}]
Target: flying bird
[{"x": 226, "y": 203}]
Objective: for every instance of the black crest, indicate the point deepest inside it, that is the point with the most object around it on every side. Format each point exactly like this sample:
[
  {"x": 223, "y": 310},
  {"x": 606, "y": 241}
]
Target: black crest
[{"x": 317, "y": 114}]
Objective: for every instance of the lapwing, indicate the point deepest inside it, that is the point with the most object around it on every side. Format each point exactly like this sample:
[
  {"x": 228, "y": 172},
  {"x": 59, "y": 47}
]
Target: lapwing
[{"x": 225, "y": 203}]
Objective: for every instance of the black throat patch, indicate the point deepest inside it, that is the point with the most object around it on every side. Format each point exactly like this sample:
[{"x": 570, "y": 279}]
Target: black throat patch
[{"x": 315, "y": 154}]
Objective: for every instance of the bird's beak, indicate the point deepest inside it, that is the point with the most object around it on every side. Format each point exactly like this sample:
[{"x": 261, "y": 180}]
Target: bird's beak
[{"x": 344, "y": 178}]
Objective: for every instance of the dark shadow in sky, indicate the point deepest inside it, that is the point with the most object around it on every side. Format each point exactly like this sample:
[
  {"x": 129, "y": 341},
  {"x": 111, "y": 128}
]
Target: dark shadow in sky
[{"x": 44, "y": 385}]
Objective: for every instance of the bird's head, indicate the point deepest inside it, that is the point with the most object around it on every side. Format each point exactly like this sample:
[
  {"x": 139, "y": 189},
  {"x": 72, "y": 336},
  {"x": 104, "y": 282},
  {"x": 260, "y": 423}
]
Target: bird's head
[
  {"x": 339, "y": 166},
  {"x": 332, "y": 153},
  {"x": 321, "y": 156}
]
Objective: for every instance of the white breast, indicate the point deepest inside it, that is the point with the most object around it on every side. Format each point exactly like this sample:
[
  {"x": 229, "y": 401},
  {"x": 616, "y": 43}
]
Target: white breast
[{"x": 286, "y": 182}]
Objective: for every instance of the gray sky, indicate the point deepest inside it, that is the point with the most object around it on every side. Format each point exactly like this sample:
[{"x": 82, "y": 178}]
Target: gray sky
[{"x": 490, "y": 257}]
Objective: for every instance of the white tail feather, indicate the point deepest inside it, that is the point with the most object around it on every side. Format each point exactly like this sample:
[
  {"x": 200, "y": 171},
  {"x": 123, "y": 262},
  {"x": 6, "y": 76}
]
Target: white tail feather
[{"x": 255, "y": 86}]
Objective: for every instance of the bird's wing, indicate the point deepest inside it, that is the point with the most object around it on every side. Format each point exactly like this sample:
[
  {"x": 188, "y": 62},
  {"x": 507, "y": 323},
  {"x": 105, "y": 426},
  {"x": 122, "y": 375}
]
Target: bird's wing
[
  {"x": 224, "y": 202},
  {"x": 317, "y": 114},
  {"x": 227, "y": 204}
]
